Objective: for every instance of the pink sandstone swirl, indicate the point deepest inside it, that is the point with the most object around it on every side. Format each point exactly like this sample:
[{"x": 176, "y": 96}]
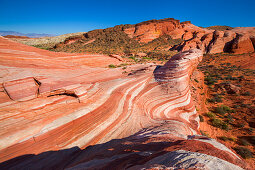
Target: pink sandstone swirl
[{"x": 59, "y": 112}]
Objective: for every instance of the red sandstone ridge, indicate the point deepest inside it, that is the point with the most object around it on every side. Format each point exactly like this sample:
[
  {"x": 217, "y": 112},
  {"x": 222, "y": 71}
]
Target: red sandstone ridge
[
  {"x": 93, "y": 117},
  {"x": 150, "y": 30}
]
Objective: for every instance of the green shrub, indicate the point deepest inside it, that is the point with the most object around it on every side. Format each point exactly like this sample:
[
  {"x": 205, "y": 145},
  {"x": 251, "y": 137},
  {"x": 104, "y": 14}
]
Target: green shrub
[
  {"x": 241, "y": 125},
  {"x": 224, "y": 138},
  {"x": 217, "y": 123},
  {"x": 250, "y": 130},
  {"x": 222, "y": 110},
  {"x": 203, "y": 133},
  {"x": 216, "y": 99},
  {"x": 201, "y": 118},
  {"x": 229, "y": 118},
  {"x": 243, "y": 152},
  {"x": 246, "y": 93},
  {"x": 220, "y": 124},
  {"x": 210, "y": 80},
  {"x": 210, "y": 114},
  {"x": 112, "y": 66}
]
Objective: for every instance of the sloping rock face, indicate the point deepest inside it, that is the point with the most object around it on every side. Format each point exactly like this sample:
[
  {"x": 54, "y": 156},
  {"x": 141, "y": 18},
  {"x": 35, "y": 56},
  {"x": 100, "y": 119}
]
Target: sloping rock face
[{"x": 95, "y": 117}]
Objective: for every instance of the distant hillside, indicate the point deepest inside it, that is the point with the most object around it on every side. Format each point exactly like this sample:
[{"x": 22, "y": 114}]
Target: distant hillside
[
  {"x": 124, "y": 39},
  {"x": 44, "y": 42},
  {"x": 31, "y": 35}
]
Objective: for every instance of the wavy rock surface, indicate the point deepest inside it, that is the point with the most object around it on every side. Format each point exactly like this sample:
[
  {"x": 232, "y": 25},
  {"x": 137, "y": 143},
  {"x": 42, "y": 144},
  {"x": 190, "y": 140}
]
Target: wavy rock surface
[{"x": 93, "y": 117}]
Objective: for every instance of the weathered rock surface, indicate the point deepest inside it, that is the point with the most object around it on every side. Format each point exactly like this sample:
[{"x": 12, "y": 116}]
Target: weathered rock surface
[{"x": 88, "y": 116}]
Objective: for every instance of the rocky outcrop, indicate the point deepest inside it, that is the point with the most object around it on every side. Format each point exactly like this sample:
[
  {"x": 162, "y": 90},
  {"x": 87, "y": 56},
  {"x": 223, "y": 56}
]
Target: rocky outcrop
[
  {"x": 220, "y": 41},
  {"x": 149, "y": 30},
  {"x": 146, "y": 119},
  {"x": 242, "y": 44}
]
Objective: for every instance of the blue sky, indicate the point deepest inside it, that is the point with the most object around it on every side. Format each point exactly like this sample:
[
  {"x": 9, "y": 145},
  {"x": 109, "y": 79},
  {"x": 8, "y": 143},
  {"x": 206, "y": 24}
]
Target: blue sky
[{"x": 67, "y": 16}]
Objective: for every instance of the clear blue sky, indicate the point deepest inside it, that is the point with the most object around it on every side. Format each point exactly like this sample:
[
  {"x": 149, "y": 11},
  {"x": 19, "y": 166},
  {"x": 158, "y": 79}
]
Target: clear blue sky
[{"x": 67, "y": 16}]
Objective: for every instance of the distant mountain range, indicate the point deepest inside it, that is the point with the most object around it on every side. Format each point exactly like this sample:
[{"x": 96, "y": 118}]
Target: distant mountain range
[{"x": 31, "y": 35}]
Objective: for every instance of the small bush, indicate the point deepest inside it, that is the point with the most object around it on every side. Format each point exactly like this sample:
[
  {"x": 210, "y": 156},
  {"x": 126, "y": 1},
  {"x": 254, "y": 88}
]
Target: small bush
[
  {"x": 246, "y": 93},
  {"x": 229, "y": 77},
  {"x": 224, "y": 138},
  {"x": 230, "y": 118},
  {"x": 112, "y": 66},
  {"x": 243, "y": 152},
  {"x": 241, "y": 125},
  {"x": 210, "y": 114},
  {"x": 243, "y": 142},
  {"x": 250, "y": 130},
  {"x": 203, "y": 133},
  {"x": 220, "y": 124},
  {"x": 216, "y": 99},
  {"x": 222, "y": 110},
  {"x": 201, "y": 118},
  {"x": 236, "y": 106},
  {"x": 210, "y": 80}
]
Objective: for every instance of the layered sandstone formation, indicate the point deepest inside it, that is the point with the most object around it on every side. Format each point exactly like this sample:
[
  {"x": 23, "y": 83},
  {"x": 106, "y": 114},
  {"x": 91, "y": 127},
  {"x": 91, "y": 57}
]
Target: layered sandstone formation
[
  {"x": 60, "y": 110},
  {"x": 229, "y": 41},
  {"x": 149, "y": 30}
]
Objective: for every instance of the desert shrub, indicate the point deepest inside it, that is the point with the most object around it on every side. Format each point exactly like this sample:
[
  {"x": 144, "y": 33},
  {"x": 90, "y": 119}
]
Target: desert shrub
[
  {"x": 243, "y": 152},
  {"x": 210, "y": 80},
  {"x": 112, "y": 66},
  {"x": 229, "y": 77},
  {"x": 196, "y": 80},
  {"x": 203, "y": 133},
  {"x": 134, "y": 58},
  {"x": 241, "y": 125},
  {"x": 241, "y": 77},
  {"x": 220, "y": 124},
  {"x": 201, "y": 118},
  {"x": 223, "y": 109},
  {"x": 224, "y": 138},
  {"x": 246, "y": 93},
  {"x": 210, "y": 114},
  {"x": 215, "y": 99},
  {"x": 243, "y": 142},
  {"x": 245, "y": 105},
  {"x": 230, "y": 118},
  {"x": 250, "y": 130}
]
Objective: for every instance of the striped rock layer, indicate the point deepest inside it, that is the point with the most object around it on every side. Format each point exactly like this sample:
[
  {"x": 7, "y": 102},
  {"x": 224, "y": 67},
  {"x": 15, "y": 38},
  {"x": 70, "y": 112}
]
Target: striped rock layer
[{"x": 59, "y": 111}]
